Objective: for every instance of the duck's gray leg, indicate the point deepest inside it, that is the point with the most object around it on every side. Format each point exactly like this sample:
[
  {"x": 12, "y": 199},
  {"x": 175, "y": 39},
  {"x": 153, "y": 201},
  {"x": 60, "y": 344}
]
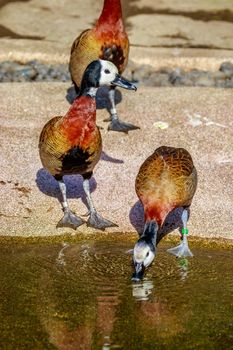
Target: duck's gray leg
[
  {"x": 182, "y": 250},
  {"x": 95, "y": 220},
  {"x": 115, "y": 123},
  {"x": 69, "y": 219}
]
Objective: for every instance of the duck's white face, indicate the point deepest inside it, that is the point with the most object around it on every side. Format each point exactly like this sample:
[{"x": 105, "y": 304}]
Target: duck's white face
[
  {"x": 108, "y": 73},
  {"x": 109, "y": 76},
  {"x": 143, "y": 254}
]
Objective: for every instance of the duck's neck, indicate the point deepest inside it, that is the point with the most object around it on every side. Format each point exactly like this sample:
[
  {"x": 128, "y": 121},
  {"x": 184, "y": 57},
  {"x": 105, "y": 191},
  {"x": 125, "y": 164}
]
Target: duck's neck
[
  {"x": 111, "y": 14},
  {"x": 150, "y": 231},
  {"x": 82, "y": 114},
  {"x": 90, "y": 91},
  {"x": 157, "y": 210}
]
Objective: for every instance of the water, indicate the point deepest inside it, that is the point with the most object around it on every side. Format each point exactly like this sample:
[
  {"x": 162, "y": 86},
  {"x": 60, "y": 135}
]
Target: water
[{"x": 80, "y": 296}]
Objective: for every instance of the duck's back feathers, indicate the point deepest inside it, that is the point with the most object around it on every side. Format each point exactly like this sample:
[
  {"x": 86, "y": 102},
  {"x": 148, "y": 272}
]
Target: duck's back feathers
[
  {"x": 116, "y": 52},
  {"x": 91, "y": 45},
  {"x": 84, "y": 50},
  {"x": 166, "y": 180},
  {"x": 79, "y": 40},
  {"x": 178, "y": 160},
  {"x": 106, "y": 40}
]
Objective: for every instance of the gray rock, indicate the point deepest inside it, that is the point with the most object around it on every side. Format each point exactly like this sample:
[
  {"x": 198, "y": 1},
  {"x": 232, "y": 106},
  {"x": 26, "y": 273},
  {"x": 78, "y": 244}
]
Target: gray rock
[
  {"x": 205, "y": 81},
  {"x": 29, "y": 73},
  {"x": 220, "y": 83},
  {"x": 142, "y": 72},
  {"x": 219, "y": 75},
  {"x": 176, "y": 76},
  {"x": 194, "y": 74},
  {"x": 226, "y": 67},
  {"x": 185, "y": 81},
  {"x": 229, "y": 83},
  {"x": 166, "y": 70},
  {"x": 157, "y": 79},
  {"x": 8, "y": 67},
  {"x": 4, "y": 77}
]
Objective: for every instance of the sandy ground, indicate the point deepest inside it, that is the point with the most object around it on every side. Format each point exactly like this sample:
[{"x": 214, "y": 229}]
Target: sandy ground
[
  {"x": 191, "y": 34},
  {"x": 45, "y": 30},
  {"x": 198, "y": 119}
]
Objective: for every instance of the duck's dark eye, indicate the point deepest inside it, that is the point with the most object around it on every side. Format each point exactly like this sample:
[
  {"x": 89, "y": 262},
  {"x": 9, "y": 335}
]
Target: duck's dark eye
[
  {"x": 147, "y": 254},
  {"x": 107, "y": 71}
]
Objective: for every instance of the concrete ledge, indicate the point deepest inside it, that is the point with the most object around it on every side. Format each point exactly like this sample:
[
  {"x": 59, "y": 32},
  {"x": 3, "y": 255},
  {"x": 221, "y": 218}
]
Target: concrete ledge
[{"x": 200, "y": 120}]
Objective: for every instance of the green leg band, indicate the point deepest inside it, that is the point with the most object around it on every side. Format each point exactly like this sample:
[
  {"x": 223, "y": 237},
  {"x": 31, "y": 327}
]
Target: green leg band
[{"x": 185, "y": 231}]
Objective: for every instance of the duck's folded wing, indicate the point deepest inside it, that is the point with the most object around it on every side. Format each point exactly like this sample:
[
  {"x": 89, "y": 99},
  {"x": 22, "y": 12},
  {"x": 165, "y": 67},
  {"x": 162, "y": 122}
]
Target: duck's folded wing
[{"x": 53, "y": 145}]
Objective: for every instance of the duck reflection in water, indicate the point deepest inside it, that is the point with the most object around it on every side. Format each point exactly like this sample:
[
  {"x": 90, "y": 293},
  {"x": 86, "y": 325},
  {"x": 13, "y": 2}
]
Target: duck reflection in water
[
  {"x": 183, "y": 268},
  {"x": 142, "y": 290},
  {"x": 61, "y": 256}
]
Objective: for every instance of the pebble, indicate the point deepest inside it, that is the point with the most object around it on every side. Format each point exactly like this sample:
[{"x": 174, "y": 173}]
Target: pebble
[{"x": 34, "y": 70}]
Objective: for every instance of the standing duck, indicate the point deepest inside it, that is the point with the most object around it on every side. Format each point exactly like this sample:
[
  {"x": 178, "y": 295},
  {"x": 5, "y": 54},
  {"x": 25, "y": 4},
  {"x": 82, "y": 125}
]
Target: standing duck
[
  {"x": 72, "y": 144},
  {"x": 108, "y": 41},
  {"x": 166, "y": 180}
]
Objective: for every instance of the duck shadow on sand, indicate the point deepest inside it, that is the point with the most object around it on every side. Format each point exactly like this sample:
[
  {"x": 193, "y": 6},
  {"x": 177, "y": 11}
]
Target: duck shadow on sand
[
  {"x": 173, "y": 220},
  {"x": 108, "y": 158},
  {"x": 74, "y": 183},
  {"x": 102, "y": 100}
]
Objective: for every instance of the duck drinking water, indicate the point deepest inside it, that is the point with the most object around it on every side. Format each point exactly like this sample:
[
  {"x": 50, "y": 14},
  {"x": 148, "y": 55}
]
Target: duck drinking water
[{"x": 165, "y": 181}]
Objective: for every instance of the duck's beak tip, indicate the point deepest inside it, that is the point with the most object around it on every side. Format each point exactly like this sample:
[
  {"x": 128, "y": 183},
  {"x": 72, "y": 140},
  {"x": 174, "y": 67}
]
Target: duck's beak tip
[
  {"x": 138, "y": 274},
  {"x": 135, "y": 278},
  {"x": 124, "y": 83}
]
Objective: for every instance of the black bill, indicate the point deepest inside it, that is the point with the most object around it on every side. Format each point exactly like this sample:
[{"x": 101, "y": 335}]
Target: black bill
[
  {"x": 124, "y": 83},
  {"x": 139, "y": 272}
]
